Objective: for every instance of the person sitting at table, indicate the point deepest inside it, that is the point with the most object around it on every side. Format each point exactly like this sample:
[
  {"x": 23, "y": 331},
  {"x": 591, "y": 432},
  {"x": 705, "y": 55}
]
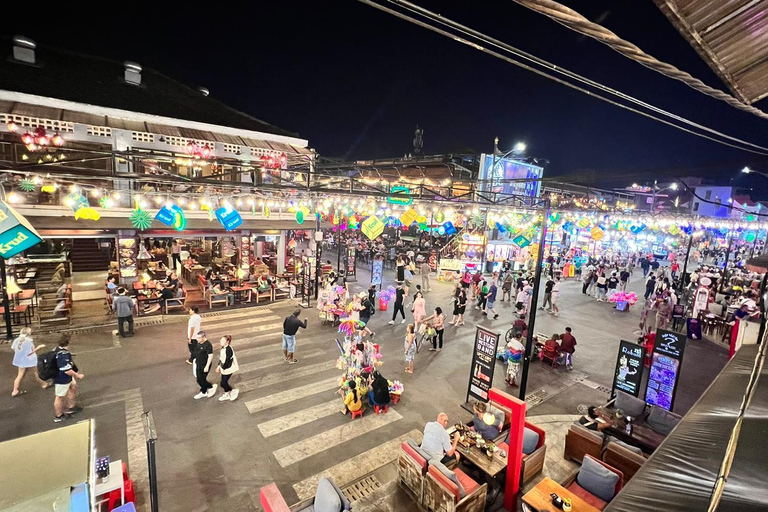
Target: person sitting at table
[
  {"x": 218, "y": 291},
  {"x": 742, "y": 312},
  {"x": 166, "y": 292},
  {"x": 111, "y": 285},
  {"x": 485, "y": 423},
  {"x": 437, "y": 442},
  {"x": 262, "y": 284},
  {"x": 58, "y": 275},
  {"x": 172, "y": 281},
  {"x": 591, "y": 420}
]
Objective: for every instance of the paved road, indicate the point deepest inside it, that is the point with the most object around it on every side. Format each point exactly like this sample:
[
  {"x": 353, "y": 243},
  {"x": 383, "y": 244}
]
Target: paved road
[{"x": 285, "y": 426}]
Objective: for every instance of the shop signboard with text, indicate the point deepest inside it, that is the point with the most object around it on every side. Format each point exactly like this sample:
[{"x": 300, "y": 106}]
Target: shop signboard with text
[
  {"x": 666, "y": 362},
  {"x": 629, "y": 368},
  {"x": 16, "y": 234},
  {"x": 483, "y": 364},
  {"x": 510, "y": 177}
]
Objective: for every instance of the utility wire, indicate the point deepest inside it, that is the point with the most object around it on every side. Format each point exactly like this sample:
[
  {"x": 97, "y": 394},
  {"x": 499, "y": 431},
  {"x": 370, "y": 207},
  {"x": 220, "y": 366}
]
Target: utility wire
[
  {"x": 553, "y": 67},
  {"x": 578, "y": 23},
  {"x": 763, "y": 150}
]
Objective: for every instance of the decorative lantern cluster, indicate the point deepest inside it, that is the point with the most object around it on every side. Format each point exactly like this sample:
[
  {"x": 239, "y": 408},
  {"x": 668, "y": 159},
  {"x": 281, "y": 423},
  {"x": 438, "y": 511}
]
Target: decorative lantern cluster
[
  {"x": 39, "y": 138},
  {"x": 199, "y": 152},
  {"x": 272, "y": 162}
]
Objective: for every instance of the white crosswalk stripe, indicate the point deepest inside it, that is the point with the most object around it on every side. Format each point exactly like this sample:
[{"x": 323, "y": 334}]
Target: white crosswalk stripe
[
  {"x": 267, "y": 402},
  {"x": 358, "y": 466},
  {"x": 262, "y": 324},
  {"x": 299, "y": 418},
  {"x": 321, "y": 442},
  {"x": 269, "y": 362},
  {"x": 294, "y": 373}
]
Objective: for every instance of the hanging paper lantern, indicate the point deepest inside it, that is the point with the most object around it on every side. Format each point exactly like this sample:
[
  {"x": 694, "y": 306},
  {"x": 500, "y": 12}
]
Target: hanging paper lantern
[
  {"x": 140, "y": 219},
  {"x": 439, "y": 217},
  {"x": 229, "y": 217},
  {"x": 27, "y": 185},
  {"x": 372, "y": 227},
  {"x": 449, "y": 228},
  {"x": 400, "y": 195},
  {"x": 750, "y": 236},
  {"x": 596, "y": 233},
  {"x": 501, "y": 227},
  {"x": 521, "y": 241},
  {"x": 441, "y": 230},
  {"x": 554, "y": 217},
  {"x": 423, "y": 226},
  {"x": 583, "y": 222},
  {"x": 49, "y": 189},
  {"x": 300, "y": 216},
  {"x": 267, "y": 212},
  {"x": 637, "y": 228},
  {"x": 421, "y": 219},
  {"x": 568, "y": 226},
  {"x": 408, "y": 217},
  {"x": 87, "y": 213}
]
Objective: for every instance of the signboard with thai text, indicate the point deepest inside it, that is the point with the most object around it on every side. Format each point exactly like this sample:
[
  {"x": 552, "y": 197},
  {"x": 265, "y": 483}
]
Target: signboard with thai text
[{"x": 629, "y": 368}]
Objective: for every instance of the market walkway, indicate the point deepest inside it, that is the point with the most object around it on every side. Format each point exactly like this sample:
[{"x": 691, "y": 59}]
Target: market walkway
[{"x": 285, "y": 427}]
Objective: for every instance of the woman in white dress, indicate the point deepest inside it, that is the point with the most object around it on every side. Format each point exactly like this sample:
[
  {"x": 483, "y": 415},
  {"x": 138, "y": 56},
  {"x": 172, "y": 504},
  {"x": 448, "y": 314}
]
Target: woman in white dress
[{"x": 25, "y": 358}]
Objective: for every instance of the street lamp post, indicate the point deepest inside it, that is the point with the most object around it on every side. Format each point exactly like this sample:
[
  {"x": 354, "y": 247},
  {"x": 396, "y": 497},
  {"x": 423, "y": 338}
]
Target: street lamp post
[{"x": 656, "y": 190}]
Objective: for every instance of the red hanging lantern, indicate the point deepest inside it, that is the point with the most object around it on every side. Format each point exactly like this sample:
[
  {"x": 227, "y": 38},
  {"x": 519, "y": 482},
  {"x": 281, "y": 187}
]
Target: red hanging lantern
[
  {"x": 27, "y": 138},
  {"x": 283, "y": 161},
  {"x": 271, "y": 162},
  {"x": 57, "y": 140},
  {"x": 190, "y": 148},
  {"x": 206, "y": 152},
  {"x": 12, "y": 127}
]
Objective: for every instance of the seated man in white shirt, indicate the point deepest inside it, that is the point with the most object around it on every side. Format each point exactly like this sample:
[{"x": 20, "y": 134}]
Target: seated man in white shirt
[{"x": 437, "y": 442}]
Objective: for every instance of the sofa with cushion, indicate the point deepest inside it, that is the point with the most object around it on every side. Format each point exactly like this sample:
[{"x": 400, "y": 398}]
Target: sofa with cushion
[
  {"x": 580, "y": 441},
  {"x": 662, "y": 421},
  {"x": 629, "y": 405},
  {"x": 412, "y": 468},
  {"x": 534, "y": 450},
  {"x": 595, "y": 482},
  {"x": 328, "y": 498},
  {"x": 452, "y": 491},
  {"x": 627, "y": 459}
]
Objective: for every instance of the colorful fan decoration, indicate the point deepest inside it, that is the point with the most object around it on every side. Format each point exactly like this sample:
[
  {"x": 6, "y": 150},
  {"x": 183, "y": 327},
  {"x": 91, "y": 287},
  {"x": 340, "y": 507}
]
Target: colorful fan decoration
[
  {"x": 106, "y": 202},
  {"x": 27, "y": 185},
  {"x": 350, "y": 325},
  {"x": 140, "y": 219}
]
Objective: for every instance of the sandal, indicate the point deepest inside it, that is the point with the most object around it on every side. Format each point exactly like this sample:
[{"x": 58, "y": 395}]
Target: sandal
[{"x": 19, "y": 393}]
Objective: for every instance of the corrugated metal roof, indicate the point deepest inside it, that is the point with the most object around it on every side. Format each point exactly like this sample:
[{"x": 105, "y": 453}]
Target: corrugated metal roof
[{"x": 731, "y": 36}]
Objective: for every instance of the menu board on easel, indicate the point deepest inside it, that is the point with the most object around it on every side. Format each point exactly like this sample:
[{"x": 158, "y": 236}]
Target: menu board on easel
[
  {"x": 127, "y": 259},
  {"x": 350, "y": 265},
  {"x": 306, "y": 280}
]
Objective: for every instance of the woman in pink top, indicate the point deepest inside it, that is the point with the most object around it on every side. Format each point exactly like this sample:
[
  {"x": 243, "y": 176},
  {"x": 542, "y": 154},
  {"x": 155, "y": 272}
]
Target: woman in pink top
[
  {"x": 419, "y": 309},
  {"x": 438, "y": 322}
]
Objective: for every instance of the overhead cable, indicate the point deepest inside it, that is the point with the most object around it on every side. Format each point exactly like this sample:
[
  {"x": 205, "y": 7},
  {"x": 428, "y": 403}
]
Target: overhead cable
[
  {"x": 553, "y": 67},
  {"x": 761, "y": 150},
  {"x": 578, "y": 23}
]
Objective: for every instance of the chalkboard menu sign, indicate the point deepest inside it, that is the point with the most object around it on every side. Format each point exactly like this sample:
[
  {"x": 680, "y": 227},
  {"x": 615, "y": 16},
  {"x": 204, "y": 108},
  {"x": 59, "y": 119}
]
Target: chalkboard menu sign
[
  {"x": 483, "y": 364},
  {"x": 665, "y": 368},
  {"x": 629, "y": 368}
]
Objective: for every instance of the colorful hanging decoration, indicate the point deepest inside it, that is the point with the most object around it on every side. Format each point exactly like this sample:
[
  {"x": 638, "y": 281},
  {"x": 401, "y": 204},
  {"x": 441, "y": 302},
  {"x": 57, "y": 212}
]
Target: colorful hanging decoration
[
  {"x": 750, "y": 236},
  {"x": 596, "y": 234},
  {"x": 400, "y": 195},
  {"x": 172, "y": 215},
  {"x": 48, "y": 189},
  {"x": 408, "y": 217},
  {"x": 354, "y": 222},
  {"x": 501, "y": 227},
  {"x": 87, "y": 213},
  {"x": 449, "y": 228},
  {"x": 439, "y": 217},
  {"x": 300, "y": 216},
  {"x": 267, "y": 212},
  {"x": 106, "y": 202},
  {"x": 583, "y": 223},
  {"x": 372, "y": 227},
  {"x": 229, "y": 217},
  {"x": 27, "y": 185},
  {"x": 140, "y": 219},
  {"x": 521, "y": 241}
]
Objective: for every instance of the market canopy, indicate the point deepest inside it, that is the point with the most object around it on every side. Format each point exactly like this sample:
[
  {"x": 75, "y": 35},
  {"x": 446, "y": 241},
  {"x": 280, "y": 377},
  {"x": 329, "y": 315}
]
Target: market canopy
[
  {"x": 680, "y": 475},
  {"x": 731, "y": 37}
]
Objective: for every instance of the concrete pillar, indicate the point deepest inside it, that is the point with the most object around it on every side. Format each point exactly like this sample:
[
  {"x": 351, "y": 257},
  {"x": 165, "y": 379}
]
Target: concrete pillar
[{"x": 281, "y": 253}]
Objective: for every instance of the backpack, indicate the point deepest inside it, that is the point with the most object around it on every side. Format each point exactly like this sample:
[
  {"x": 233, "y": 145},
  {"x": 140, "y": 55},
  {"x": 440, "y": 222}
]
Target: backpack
[{"x": 47, "y": 368}]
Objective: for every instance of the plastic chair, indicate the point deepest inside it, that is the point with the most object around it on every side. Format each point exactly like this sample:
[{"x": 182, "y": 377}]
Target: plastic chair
[
  {"x": 357, "y": 413},
  {"x": 130, "y": 494},
  {"x": 381, "y": 408}
]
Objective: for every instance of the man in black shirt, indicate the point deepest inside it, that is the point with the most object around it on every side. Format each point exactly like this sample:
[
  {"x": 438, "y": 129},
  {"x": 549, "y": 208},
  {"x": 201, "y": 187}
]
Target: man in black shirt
[
  {"x": 624, "y": 279},
  {"x": 399, "y": 296},
  {"x": 613, "y": 283},
  {"x": 203, "y": 361},
  {"x": 291, "y": 326},
  {"x": 547, "y": 293}
]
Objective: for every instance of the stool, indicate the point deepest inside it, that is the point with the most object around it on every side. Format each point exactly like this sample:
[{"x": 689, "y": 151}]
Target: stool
[
  {"x": 381, "y": 408},
  {"x": 128, "y": 507},
  {"x": 357, "y": 413},
  {"x": 130, "y": 494}
]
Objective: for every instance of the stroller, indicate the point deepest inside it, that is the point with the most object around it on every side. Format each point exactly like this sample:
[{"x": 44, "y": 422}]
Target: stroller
[{"x": 426, "y": 333}]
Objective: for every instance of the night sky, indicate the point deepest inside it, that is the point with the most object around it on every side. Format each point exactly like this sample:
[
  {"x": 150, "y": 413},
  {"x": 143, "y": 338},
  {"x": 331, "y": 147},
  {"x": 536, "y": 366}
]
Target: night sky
[{"x": 355, "y": 81}]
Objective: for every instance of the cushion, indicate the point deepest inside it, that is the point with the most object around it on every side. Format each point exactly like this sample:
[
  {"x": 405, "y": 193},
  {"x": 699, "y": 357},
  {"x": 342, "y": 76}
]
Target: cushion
[
  {"x": 424, "y": 455},
  {"x": 597, "y": 479},
  {"x": 496, "y": 412},
  {"x": 345, "y": 504},
  {"x": 447, "y": 478},
  {"x": 414, "y": 454},
  {"x": 587, "y": 496},
  {"x": 662, "y": 421},
  {"x": 583, "y": 431},
  {"x": 630, "y": 405},
  {"x": 326, "y": 497},
  {"x": 629, "y": 447},
  {"x": 530, "y": 440}
]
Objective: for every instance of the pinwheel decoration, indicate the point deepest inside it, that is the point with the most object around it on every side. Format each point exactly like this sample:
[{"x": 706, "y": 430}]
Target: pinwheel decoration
[{"x": 140, "y": 219}]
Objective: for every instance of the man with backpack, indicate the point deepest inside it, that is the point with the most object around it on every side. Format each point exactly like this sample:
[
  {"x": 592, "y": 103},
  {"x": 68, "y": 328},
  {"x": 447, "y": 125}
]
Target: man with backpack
[
  {"x": 365, "y": 314},
  {"x": 65, "y": 380}
]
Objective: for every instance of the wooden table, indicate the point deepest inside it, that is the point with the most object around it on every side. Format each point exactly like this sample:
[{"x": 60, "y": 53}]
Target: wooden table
[
  {"x": 30, "y": 295},
  {"x": 492, "y": 467},
  {"x": 643, "y": 436},
  {"x": 539, "y": 498},
  {"x": 239, "y": 292},
  {"x": 18, "y": 312}
]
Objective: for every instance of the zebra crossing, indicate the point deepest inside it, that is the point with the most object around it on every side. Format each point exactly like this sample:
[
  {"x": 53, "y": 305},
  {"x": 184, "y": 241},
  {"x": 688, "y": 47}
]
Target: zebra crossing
[{"x": 295, "y": 408}]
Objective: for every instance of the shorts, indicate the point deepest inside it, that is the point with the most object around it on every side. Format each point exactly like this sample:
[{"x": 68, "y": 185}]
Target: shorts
[
  {"x": 489, "y": 304},
  {"x": 62, "y": 389},
  {"x": 289, "y": 342},
  {"x": 464, "y": 285}
]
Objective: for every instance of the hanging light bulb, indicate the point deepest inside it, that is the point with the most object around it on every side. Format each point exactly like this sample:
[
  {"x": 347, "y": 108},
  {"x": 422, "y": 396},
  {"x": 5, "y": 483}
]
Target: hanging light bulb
[
  {"x": 95, "y": 192},
  {"x": 57, "y": 140},
  {"x": 27, "y": 138},
  {"x": 14, "y": 198},
  {"x": 12, "y": 127}
]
